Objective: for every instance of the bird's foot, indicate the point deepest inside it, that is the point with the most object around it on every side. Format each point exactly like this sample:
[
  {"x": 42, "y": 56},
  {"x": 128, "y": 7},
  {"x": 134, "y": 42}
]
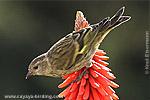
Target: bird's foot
[{"x": 81, "y": 75}]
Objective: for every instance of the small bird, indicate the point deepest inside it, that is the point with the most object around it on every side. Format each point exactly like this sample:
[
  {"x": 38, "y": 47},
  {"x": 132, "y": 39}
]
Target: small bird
[{"x": 75, "y": 50}]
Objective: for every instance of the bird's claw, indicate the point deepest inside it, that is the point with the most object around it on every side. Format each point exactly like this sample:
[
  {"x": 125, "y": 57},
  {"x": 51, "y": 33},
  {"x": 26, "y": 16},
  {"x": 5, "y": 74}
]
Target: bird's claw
[{"x": 81, "y": 75}]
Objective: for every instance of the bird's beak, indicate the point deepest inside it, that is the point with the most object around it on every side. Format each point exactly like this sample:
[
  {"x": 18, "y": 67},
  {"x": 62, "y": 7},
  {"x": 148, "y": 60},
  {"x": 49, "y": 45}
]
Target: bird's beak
[{"x": 28, "y": 75}]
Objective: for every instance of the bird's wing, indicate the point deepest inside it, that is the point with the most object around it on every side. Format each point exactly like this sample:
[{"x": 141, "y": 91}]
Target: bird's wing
[
  {"x": 70, "y": 49},
  {"x": 63, "y": 54}
]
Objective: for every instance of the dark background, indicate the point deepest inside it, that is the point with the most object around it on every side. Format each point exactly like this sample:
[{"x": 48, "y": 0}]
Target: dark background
[{"x": 28, "y": 29}]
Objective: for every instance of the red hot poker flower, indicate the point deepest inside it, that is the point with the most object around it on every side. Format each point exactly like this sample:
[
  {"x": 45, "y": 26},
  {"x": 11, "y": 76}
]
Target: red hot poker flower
[{"x": 94, "y": 85}]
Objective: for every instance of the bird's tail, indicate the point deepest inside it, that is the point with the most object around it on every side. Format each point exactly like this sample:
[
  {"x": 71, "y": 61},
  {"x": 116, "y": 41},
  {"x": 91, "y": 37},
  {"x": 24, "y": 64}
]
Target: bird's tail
[
  {"x": 92, "y": 36},
  {"x": 118, "y": 18},
  {"x": 107, "y": 24}
]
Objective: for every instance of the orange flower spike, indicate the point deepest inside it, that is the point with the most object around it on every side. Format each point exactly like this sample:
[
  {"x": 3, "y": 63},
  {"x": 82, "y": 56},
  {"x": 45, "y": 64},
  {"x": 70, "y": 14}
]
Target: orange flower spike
[
  {"x": 106, "y": 69},
  {"x": 67, "y": 98},
  {"x": 102, "y": 62},
  {"x": 111, "y": 76},
  {"x": 81, "y": 90},
  {"x": 100, "y": 52},
  {"x": 105, "y": 80},
  {"x": 91, "y": 97},
  {"x": 104, "y": 92},
  {"x": 101, "y": 90},
  {"x": 62, "y": 94},
  {"x": 97, "y": 64},
  {"x": 95, "y": 93},
  {"x": 101, "y": 66},
  {"x": 68, "y": 91},
  {"x": 65, "y": 77},
  {"x": 79, "y": 82},
  {"x": 97, "y": 57},
  {"x": 86, "y": 76},
  {"x": 103, "y": 57},
  {"x": 113, "y": 84},
  {"x": 83, "y": 81},
  {"x": 107, "y": 74},
  {"x": 106, "y": 97},
  {"x": 68, "y": 94},
  {"x": 86, "y": 93},
  {"x": 101, "y": 97},
  {"x": 74, "y": 87},
  {"x": 102, "y": 80},
  {"x": 79, "y": 97},
  {"x": 115, "y": 97},
  {"x": 73, "y": 95},
  {"x": 67, "y": 81},
  {"x": 109, "y": 90},
  {"x": 92, "y": 82},
  {"x": 103, "y": 70},
  {"x": 95, "y": 67},
  {"x": 93, "y": 73},
  {"x": 105, "y": 83}
]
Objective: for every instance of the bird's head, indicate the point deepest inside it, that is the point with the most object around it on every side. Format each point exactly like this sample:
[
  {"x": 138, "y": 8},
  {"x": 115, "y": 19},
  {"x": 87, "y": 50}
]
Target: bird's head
[{"x": 38, "y": 66}]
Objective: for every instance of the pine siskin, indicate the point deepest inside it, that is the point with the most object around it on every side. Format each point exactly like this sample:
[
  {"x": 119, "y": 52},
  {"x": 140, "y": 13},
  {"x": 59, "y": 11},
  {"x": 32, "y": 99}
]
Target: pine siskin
[{"x": 75, "y": 51}]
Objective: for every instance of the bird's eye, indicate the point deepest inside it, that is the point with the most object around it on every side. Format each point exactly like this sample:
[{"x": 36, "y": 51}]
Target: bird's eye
[{"x": 35, "y": 67}]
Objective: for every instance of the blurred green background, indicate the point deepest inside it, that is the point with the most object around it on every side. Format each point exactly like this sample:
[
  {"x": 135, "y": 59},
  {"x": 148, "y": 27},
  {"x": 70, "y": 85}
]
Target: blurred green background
[{"x": 28, "y": 29}]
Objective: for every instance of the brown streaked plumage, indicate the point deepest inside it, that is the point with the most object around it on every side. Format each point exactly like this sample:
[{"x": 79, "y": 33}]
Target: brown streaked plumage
[{"x": 75, "y": 50}]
